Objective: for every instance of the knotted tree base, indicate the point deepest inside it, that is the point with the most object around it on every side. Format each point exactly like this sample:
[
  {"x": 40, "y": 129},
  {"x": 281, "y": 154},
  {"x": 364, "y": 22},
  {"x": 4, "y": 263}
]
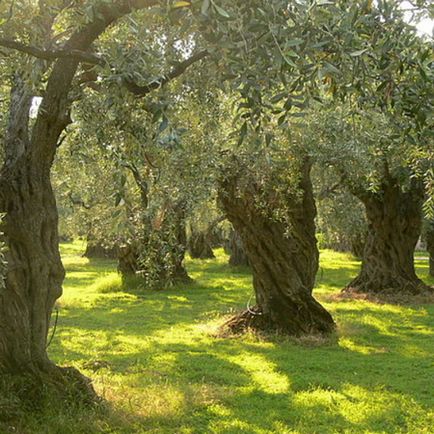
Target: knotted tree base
[
  {"x": 311, "y": 319},
  {"x": 65, "y": 388}
]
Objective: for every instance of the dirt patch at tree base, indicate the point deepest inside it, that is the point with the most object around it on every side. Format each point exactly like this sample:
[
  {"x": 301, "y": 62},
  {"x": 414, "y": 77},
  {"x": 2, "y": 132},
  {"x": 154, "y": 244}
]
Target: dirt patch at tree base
[
  {"x": 252, "y": 321},
  {"x": 389, "y": 296}
]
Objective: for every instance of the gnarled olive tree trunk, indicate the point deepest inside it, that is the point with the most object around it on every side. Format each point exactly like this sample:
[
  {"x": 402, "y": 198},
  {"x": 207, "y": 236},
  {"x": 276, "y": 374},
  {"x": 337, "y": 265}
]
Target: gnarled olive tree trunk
[
  {"x": 394, "y": 226},
  {"x": 283, "y": 258},
  {"x": 35, "y": 273},
  {"x": 34, "y": 270}
]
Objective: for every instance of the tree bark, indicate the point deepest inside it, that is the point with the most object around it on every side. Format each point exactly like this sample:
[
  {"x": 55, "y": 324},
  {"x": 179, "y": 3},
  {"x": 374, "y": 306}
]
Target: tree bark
[
  {"x": 35, "y": 272},
  {"x": 199, "y": 245},
  {"x": 358, "y": 242},
  {"x": 235, "y": 247},
  {"x": 394, "y": 226},
  {"x": 283, "y": 258}
]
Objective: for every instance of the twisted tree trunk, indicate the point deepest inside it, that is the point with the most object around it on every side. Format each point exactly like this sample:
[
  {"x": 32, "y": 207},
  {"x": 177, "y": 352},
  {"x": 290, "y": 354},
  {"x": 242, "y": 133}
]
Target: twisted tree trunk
[
  {"x": 283, "y": 258},
  {"x": 34, "y": 270},
  {"x": 394, "y": 226},
  {"x": 35, "y": 273}
]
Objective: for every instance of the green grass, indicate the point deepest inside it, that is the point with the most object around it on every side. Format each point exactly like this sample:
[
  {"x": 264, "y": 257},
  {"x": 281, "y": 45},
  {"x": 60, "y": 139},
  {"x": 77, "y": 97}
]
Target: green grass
[{"x": 162, "y": 371}]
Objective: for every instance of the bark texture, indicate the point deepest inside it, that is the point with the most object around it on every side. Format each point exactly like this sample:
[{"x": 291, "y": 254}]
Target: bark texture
[
  {"x": 283, "y": 258},
  {"x": 238, "y": 256},
  {"x": 35, "y": 272},
  {"x": 394, "y": 226}
]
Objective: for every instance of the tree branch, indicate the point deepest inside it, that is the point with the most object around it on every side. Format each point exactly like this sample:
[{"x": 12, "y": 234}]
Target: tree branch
[
  {"x": 41, "y": 53},
  {"x": 178, "y": 70}
]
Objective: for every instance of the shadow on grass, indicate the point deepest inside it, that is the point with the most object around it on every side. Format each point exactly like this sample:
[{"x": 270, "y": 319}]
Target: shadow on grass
[{"x": 161, "y": 360}]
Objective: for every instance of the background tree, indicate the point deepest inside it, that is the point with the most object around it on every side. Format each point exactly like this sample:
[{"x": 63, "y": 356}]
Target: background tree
[
  {"x": 235, "y": 247},
  {"x": 341, "y": 219},
  {"x": 373, "y": 163},
  {"x": 429, "y": 237},
  {"x": 205, "y": 230}
]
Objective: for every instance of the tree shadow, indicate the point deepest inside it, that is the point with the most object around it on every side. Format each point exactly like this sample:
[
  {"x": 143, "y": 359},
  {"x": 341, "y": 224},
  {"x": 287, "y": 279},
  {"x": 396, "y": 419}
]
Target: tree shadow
[{"x": 161, "y": 357}]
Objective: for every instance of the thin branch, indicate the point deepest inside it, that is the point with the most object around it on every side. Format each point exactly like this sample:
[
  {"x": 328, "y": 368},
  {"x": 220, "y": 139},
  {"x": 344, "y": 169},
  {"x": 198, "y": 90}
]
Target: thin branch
[
  {"x": 178, "y": 70},
  {"x": 41, "y": 53}
]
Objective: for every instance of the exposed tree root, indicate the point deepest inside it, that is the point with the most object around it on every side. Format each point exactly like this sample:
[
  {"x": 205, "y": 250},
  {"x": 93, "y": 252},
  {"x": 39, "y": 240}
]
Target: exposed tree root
[
  {"x": 253, "y": 319},
  {"x": 32, "y": 392}
]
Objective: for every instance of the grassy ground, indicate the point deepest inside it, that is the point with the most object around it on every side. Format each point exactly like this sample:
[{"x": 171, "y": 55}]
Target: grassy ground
[{"x": 153, "y": 357}]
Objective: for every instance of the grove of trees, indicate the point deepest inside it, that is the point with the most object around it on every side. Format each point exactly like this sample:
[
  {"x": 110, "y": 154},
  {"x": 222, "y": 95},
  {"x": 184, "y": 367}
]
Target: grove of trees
[{"x": 153, "y": 127}]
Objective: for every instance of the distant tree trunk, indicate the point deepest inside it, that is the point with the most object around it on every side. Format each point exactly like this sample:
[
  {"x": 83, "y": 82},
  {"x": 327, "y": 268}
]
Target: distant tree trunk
[
  {"x": 358, "y": 242},
  {"x": 284, "y": 259},
  {"x": 394, "y": 226},
  {"x": 178, "y": 219},
  {"x": 96, "y": 249},
  {"x": 128, "y": 259},
  {"x": 157, "y": 255},
  {"x": 430, "y": 246},
  {"x": 235, "y": 247},
  {"x": 199, "y": 246}
]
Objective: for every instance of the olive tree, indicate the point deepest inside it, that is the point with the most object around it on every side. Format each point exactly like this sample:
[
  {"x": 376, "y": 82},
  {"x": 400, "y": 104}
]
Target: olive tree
[
  {"x": 271, "y": 206},
  {"x": 35, "y": 272}
]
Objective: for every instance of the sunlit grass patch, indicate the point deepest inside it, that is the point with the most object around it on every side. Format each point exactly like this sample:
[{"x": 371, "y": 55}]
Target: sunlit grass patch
[{"x": 154, "y": 357}]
